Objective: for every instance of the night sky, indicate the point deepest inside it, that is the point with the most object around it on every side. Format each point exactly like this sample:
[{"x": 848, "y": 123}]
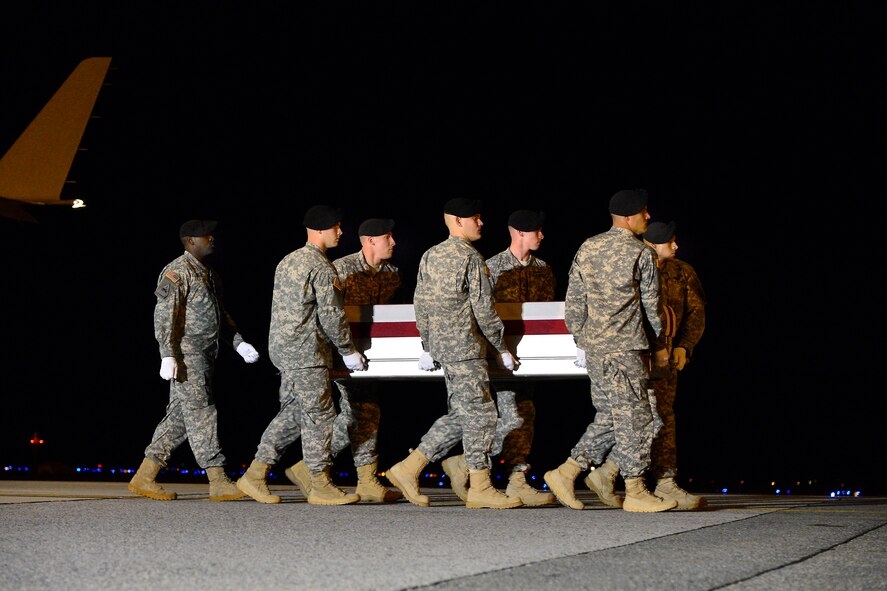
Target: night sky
[{"x": 758, "y": 130}]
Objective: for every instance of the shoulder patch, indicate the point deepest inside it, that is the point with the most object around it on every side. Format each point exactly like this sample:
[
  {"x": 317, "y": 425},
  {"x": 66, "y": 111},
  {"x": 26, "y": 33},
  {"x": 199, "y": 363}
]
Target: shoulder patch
[
  {"x": 172, "y": 276},
  {"x": 487, "y": 271},
  {"x": 337, "y": 284},
  {"x": 162, "y": 290}
]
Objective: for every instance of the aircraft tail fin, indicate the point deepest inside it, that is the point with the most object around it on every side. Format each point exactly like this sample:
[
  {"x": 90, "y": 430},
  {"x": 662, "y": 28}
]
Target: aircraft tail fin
[{"x": 35, "y": 168}]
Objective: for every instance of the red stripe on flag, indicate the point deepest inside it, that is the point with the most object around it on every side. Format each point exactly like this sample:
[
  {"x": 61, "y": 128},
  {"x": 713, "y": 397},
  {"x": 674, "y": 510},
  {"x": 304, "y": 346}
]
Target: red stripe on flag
[{"x": 362, "y": 330}]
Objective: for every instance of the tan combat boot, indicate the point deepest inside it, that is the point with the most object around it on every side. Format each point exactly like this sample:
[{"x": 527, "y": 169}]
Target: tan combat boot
[
  {"x": 253, "y": 483},
  {"x": 518, "y": 488},
  {"x": 483, "y": 495},
  {"x": 220, "y": 487},
  {"x": 601, "y": 482},
  {"x": 639, "y": 500},
  {"x": 668, "y": 489},
  {"x": 562, "y": 482},
  {"x": 324, "y": 492},
  {"x": 405, "y": 476},
  {"x": 457, "y": 471},
  {"x": 370, "y": 490},
  {"x": 299, "y": 475},
  {"x": 143, "y": 482}
]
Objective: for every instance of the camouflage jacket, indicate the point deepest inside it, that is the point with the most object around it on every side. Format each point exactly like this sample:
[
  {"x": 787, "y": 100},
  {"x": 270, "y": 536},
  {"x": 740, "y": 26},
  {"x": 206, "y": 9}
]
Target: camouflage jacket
[
  {"x": 364, "y": 285},
  {"x": 514, "y": 282},
  {"x": 454, "y": 303},
  {"x": 307, "y": 312},
  {"x": 189, "y": 316},
  {"x": 683, "y": 293},
  {"x": 613, "y": 302}
]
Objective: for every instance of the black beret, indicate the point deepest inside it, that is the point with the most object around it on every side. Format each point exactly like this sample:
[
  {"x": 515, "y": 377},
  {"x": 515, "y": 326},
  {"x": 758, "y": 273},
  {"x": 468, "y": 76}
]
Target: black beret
[
  {"x": 660, "y": 232},
  {"x": 322, "y": 217},
  {"x": 628, "y": 201},
  {"x": 197, "y": 228},
  {"x": 462, "y": 207},
  {"x": 375, "y": 227},
  {"x": 526, "y": 220}
]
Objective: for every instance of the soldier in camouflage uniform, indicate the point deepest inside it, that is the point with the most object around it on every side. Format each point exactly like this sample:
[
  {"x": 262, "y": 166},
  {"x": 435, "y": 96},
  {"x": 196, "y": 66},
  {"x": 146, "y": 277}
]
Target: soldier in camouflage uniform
[
  {"x": 455, "y": 312},
  {"x": 517, "y": 276},
  {"x": 685, "y": 300},
  {"x": 614, "y": 311},
  {"x": 307, "y": 315},
  {"x": 189, "y": 321},
  {"x": 368, "y": 279}
]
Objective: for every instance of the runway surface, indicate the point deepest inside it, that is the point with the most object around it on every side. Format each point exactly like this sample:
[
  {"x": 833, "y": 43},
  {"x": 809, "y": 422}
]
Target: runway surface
[{"x": 98, "y": 535}]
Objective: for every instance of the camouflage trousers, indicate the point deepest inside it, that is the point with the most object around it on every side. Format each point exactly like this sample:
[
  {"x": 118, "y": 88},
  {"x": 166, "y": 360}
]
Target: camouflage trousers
[
  {"x": 516, "y": 424},
  {"x": 357, "y": 423},
  {"x": 624, "y": 421},
  {"x": 306, "y": 411},
  {"x": 471, "y": 415},
  {"x": 663, "y": 455},
  {"x": 190, "y": 414}
]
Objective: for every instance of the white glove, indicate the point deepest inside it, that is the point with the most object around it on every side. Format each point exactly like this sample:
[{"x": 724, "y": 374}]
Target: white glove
[
  {"x": 580, "y": 358},
  {"x": 509, "y": 361},
  {"x": 679, "y": 357},
  {"x": 427, "y": 362},
  {"x": 168, "y": 368},
  {"x": 248, "y": 352},
  {"x": 355, "y": 361}
]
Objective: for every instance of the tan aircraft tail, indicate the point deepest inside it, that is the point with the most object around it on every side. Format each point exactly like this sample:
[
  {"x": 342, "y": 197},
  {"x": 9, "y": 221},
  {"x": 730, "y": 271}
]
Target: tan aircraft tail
[{"x": 35, "y": 168}]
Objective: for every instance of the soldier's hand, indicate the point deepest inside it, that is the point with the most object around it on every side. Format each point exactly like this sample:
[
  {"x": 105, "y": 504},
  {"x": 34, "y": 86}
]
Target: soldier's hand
[
  {"x": 661, "y": 358},
  {"x": 169, "y": 368},
  {"x": 679, "y": 357},
  {"x": 427, "y": 362},
  {"x": 248, "y": 352},
  {"x": 355, "y": 361},
  {"x": 509, "y": 361},
  {"x": 580, "y": 358}
]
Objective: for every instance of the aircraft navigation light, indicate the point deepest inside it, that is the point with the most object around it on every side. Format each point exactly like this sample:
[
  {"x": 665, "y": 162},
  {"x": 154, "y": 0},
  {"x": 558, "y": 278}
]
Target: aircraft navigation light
[{"x": 78, "y": 203}]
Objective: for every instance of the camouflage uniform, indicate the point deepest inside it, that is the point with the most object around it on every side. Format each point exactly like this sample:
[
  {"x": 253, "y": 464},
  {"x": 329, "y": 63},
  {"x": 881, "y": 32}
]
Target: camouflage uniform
[
  {"x": 454, "y": 312},
  {"x": 357, "y": 423},
  {"x": 515, "y": 282},
  {"x": 189, "y": 321},
  {"x": 307, "y": 316},
  {"x": 614, "y": 311},
  {"x": 682, "y": 292}
]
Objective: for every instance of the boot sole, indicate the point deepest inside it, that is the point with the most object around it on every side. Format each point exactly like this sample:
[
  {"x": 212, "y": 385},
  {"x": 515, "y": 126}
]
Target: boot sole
[
  {"x": 552, "y": 501},
  {"x": 554, "y": 488},
  {"x": 393, "y": 480},
  {"x": 332, "y": 501},
  {"x": 240, "y": 495},
  {"x": 482, "y": 506},
  {"x": 151, "y": 495},
  {"x": 631, "y": 508}
]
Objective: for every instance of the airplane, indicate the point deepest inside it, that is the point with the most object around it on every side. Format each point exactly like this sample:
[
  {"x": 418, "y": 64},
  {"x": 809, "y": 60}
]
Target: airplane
[{"x": 35, "y": 169}]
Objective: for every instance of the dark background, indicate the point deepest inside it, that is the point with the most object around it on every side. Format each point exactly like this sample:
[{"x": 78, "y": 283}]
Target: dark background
[{"x": 759, "y": 130}]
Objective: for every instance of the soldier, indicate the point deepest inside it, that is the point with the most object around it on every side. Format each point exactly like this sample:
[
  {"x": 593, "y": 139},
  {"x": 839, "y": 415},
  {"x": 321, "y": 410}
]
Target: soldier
[
  {"x": 454, "y": 310},
  {"x": 368, "y": 278},
  {"x": 189, "y": 321},
  {"x": 307, "y": 315},
  {"x": 614, "y": 311},
  {"x": 685, "y": 299},
  {"x": 517, "y": 276}
]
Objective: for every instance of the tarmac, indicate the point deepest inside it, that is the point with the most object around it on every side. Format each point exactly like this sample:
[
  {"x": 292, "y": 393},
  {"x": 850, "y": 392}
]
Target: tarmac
[{"x": 98, "y": 535}]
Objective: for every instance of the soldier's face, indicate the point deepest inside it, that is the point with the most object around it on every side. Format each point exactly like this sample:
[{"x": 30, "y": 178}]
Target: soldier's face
[
  {"x": 203, "y": 245},
  {"x": 331, "y": 236},
  {"x": 471, "y": 227},
  {"x": 532, "y": 240},
  {"x": 637, "y": 223},
  {"x": 383, "y": 245}
]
